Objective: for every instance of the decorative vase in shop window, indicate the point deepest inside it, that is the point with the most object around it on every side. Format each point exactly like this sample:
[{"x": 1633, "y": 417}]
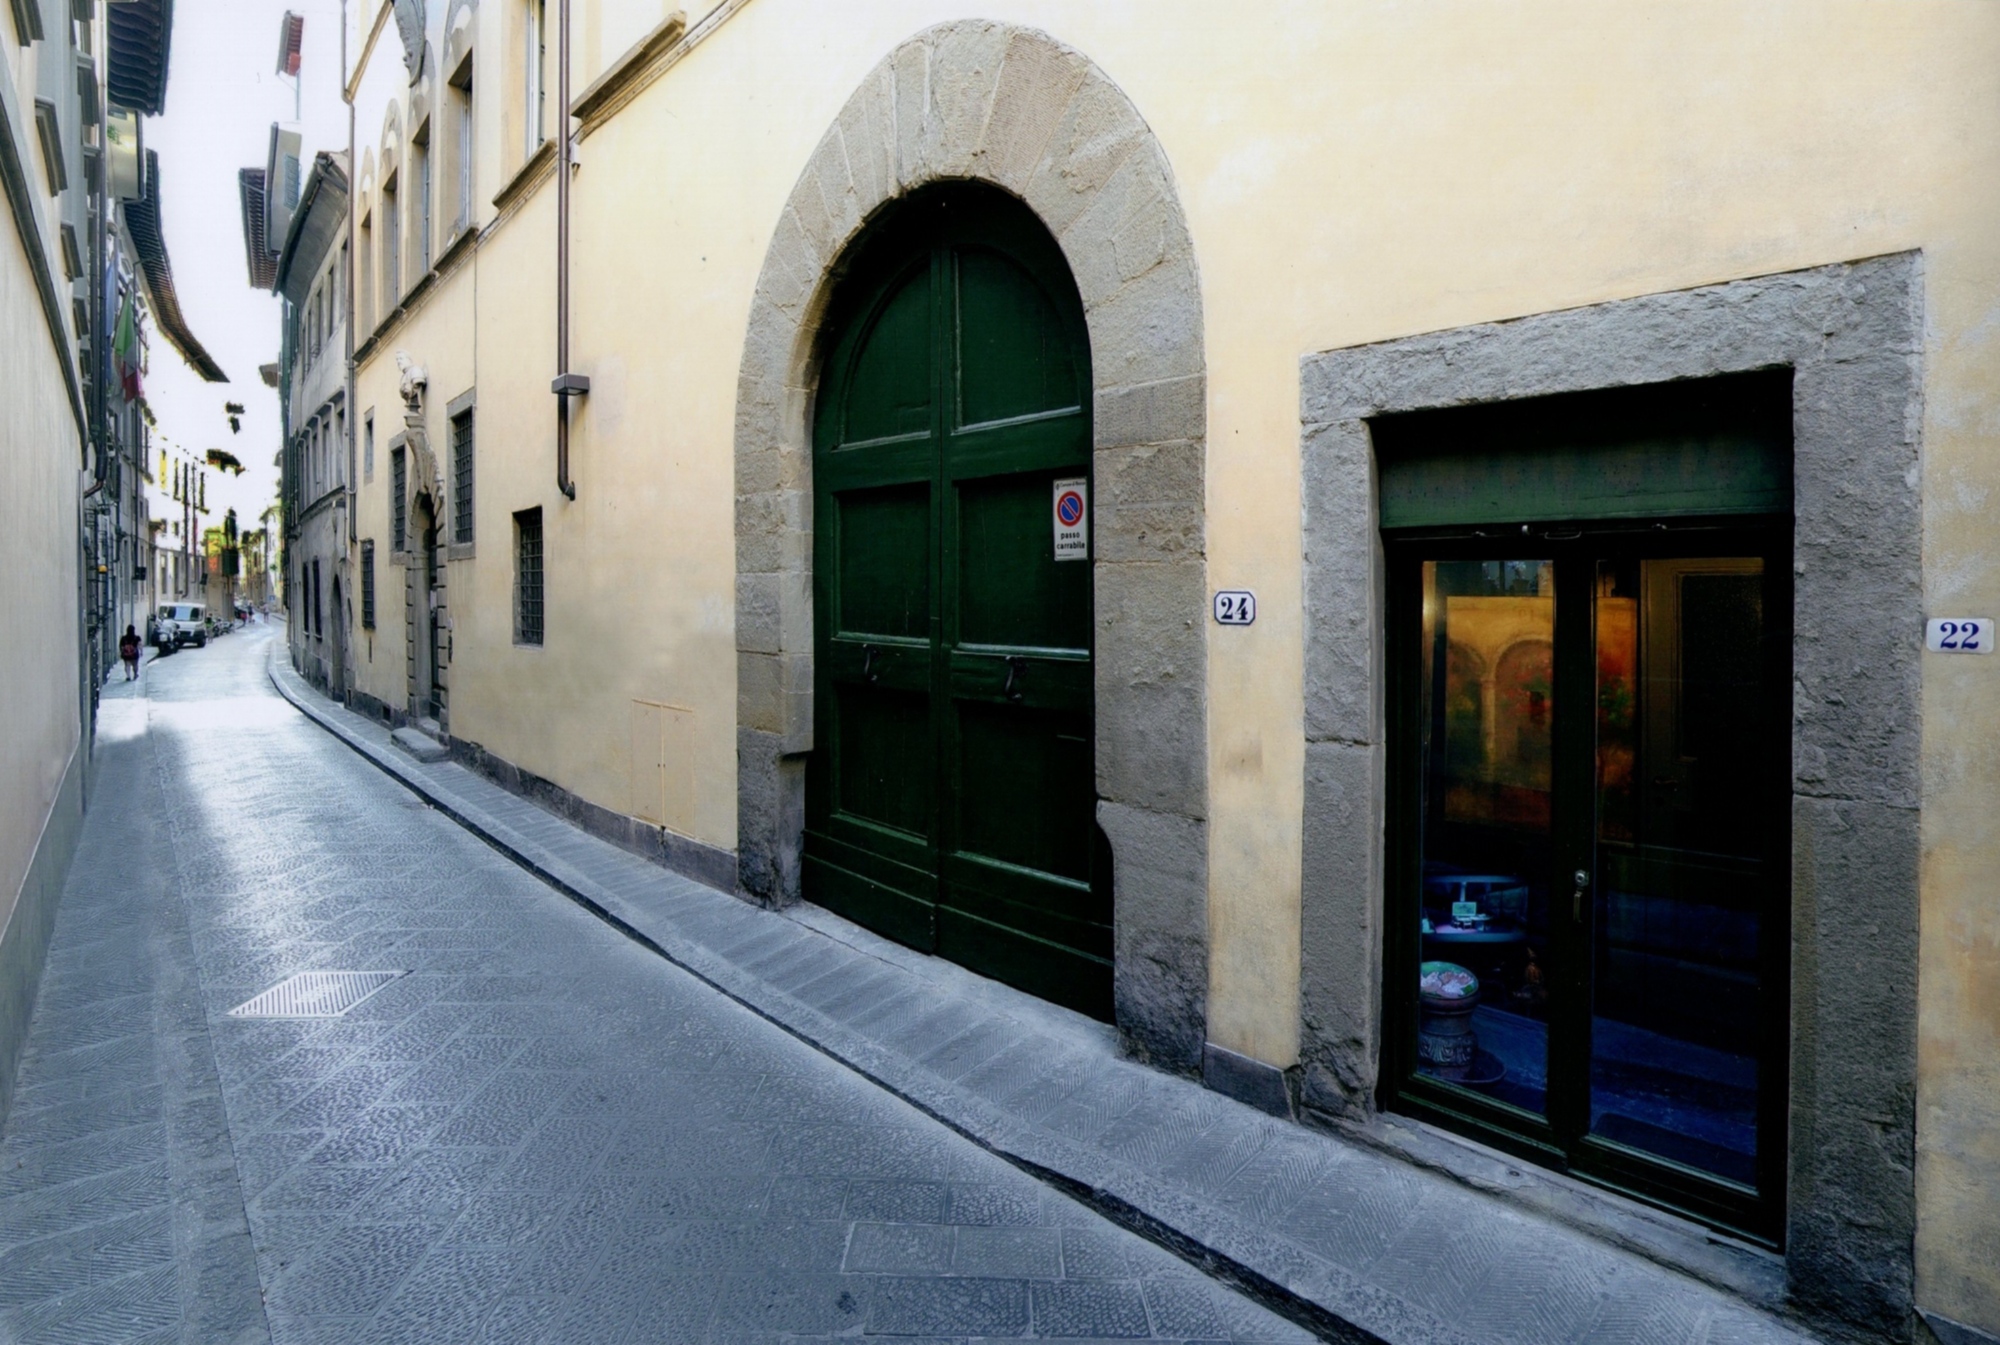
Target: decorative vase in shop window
[{"x": 1446, "y": 996}]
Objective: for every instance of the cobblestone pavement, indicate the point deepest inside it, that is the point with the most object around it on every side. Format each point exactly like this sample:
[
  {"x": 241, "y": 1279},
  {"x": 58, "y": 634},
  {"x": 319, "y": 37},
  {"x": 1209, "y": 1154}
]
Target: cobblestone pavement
[{"x": 543, "y": 1132}]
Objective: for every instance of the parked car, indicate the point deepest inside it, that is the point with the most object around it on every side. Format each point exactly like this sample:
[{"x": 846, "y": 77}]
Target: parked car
[{"x": 182, "y": 623}]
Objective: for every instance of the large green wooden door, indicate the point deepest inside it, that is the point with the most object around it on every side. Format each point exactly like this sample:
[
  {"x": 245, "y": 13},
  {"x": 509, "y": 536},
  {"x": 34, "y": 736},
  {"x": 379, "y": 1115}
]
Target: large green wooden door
[{"x": 950, "y": 799}]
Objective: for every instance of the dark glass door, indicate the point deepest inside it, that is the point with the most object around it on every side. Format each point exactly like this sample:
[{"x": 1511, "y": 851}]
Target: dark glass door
[
  {"x": 950, "y": 798},
  {"x": 1590, "y": 859}
]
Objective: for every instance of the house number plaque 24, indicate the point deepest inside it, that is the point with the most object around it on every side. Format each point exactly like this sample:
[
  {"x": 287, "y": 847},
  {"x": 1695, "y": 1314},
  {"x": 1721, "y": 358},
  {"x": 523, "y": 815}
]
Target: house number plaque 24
[{"x": 1235, "y": 607}]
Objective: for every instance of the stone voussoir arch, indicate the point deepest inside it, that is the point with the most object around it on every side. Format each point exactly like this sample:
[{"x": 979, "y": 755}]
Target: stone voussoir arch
[{"x": 1011, "y": 106}]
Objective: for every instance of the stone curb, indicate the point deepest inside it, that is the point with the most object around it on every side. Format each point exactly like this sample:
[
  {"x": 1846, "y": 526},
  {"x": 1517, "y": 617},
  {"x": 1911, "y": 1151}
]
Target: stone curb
[{"x": 1263, "y": 1264}]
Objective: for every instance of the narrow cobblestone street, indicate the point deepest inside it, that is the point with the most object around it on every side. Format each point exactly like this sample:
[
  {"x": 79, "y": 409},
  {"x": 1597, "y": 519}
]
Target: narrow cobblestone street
[{"x": 543, "y": 1132}]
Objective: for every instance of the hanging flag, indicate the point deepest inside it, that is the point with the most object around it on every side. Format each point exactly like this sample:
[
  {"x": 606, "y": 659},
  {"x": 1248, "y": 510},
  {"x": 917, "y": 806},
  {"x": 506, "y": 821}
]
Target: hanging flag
[{"x": 125, "y": 349}]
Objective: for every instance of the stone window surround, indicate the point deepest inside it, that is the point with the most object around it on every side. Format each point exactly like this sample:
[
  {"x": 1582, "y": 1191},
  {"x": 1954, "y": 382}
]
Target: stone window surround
[
  {"x": 1852, "y": 335},
  {"x": 1013, "y": 107}
]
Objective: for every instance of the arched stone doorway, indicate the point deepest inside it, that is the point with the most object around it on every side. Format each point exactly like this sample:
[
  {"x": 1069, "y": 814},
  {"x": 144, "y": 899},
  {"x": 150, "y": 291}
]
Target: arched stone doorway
[
  {"x": 425, "y": 577},
  {"x": 1009, "y": 106}
]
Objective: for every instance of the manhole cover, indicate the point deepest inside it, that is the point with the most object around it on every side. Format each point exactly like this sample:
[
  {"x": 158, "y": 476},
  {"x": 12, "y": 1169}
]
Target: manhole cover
[{"x": 315, "y": 994}]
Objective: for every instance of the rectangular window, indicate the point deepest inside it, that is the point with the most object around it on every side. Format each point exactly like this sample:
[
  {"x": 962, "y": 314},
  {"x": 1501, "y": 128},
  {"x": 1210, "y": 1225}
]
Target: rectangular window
[
  {"x": 399, "y": 484},
  {"x": 420, "y": 163},
  {"x": 368, "y": 447},
  {"x": 48, "y": 124},
  {"x": 528, "y": 577},
  {"x": 392, "y": 248},
  {"x": 461, "y": 476},
  {"x": 368, "y": 584},
  {"x": 365, "y": 291},
  {"x": 534, "y": 60},
  {"x": 461, "y": 83}
]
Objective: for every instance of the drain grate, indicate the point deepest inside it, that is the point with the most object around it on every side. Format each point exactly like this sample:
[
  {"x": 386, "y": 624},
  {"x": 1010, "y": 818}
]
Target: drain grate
[{"x": 315, "y": 994}]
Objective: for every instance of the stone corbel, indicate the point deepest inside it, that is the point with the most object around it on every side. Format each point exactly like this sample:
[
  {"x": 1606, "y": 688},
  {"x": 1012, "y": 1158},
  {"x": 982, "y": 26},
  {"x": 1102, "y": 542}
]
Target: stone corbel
[
  {"x": 410, "y": 27},
  {"x": 427, "y": 476}
]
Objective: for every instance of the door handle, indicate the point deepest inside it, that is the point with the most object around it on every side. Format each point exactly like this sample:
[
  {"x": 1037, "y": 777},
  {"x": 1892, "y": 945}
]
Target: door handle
[
  {"x": 1576, "y": 897},
  {"x": 1016, "y": 665},
  {"x": 868, "y": 673}
]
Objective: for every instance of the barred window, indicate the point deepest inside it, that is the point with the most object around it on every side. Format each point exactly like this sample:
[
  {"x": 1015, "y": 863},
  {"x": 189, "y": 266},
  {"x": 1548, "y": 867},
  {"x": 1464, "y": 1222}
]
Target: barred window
[
  {"x": 368, "y": 584},
  {"x": 399, "y": 487},
  {"x": 461, "y": 476},
  {"x": 528, "y": 577}
]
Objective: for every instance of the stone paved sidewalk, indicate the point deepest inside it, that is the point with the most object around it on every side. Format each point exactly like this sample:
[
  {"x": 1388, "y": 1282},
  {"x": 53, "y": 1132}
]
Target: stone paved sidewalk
[{"x": 1359, "y": 1243}]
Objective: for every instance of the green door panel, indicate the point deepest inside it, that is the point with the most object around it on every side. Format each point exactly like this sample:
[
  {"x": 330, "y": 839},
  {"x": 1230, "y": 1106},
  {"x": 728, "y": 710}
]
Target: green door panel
[
  {"x": 890, "y": 392},
  {"x": 950, "y": 797},
  {"x": 1013, "y": 347},
  {"x": 884, "y": 752},
  {"x": 889, "y": 908},
  {"x": 1009, "y": 591},
  {"x": 1024, "y": 791},
  {"x": 1028, "y": 679},
  {"x": 1048, "y": 968},
  {"x": 884, "y": 543}
]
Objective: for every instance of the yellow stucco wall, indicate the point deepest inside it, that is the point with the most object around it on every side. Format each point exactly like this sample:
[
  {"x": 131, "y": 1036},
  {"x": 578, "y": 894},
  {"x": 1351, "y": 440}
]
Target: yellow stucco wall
[
  {"x": 40, "y": 462},
  {"x": 1349, "y": 173}
]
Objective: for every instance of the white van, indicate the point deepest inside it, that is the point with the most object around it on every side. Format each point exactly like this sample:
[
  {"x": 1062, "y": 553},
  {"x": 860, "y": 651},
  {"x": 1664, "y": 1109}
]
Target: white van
[{"x": 180, "y": 623}]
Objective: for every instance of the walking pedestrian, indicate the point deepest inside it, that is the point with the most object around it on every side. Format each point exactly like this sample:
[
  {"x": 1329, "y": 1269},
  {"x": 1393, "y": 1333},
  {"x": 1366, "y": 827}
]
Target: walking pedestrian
[{"x": 128, "y": 650}]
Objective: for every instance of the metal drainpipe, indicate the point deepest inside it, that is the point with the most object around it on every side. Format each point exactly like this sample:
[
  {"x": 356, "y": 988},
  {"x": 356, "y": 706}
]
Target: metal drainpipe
[
  {"x": 353, "y": 294},
  {"x": 567, "y": 384},
  {"x": 100, "y": 340},
  {"x": 349, "y": 496}
]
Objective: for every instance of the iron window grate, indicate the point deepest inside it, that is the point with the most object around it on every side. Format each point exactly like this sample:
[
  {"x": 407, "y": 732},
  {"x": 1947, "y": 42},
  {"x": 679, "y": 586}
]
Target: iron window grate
[
  {"x": 368, "y": 584},
  {"x": 315, "y": 994},
  {"x": 461, "y": 477},
  {"x": 528, "y": 576},
  {"x": 399, "y": 486}
]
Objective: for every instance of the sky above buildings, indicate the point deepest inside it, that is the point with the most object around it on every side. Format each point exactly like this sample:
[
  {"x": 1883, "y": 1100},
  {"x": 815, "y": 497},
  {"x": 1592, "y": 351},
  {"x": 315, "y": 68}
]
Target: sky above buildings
[{"x": 223, "y": 93}]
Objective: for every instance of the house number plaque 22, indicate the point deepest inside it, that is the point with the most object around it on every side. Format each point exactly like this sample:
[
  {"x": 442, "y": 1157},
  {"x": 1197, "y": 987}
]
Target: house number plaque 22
[{"x": 1959, "y": 635}]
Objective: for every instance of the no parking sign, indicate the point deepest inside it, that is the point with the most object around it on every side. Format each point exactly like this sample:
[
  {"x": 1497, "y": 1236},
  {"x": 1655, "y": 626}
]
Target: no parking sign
[{"x": 1072, "y": 519}]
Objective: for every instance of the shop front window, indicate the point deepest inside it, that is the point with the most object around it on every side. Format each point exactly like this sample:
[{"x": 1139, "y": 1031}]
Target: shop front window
[
  {"x": 1487, "y": 695},
  {"x": 1589, "y": 790},
  {"x": 1679, "y": 929}
]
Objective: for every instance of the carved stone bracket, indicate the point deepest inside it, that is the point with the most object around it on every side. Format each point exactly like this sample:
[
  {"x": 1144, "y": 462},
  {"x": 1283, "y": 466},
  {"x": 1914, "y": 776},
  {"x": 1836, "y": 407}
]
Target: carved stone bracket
[
  {"x": 427, "y": 476},
  {"x": 410, "y": 27}
]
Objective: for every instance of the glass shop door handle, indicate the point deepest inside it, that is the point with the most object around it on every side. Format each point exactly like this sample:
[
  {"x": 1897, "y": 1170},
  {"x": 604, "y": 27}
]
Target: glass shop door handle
[{"x": 1576, "y": 897}]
